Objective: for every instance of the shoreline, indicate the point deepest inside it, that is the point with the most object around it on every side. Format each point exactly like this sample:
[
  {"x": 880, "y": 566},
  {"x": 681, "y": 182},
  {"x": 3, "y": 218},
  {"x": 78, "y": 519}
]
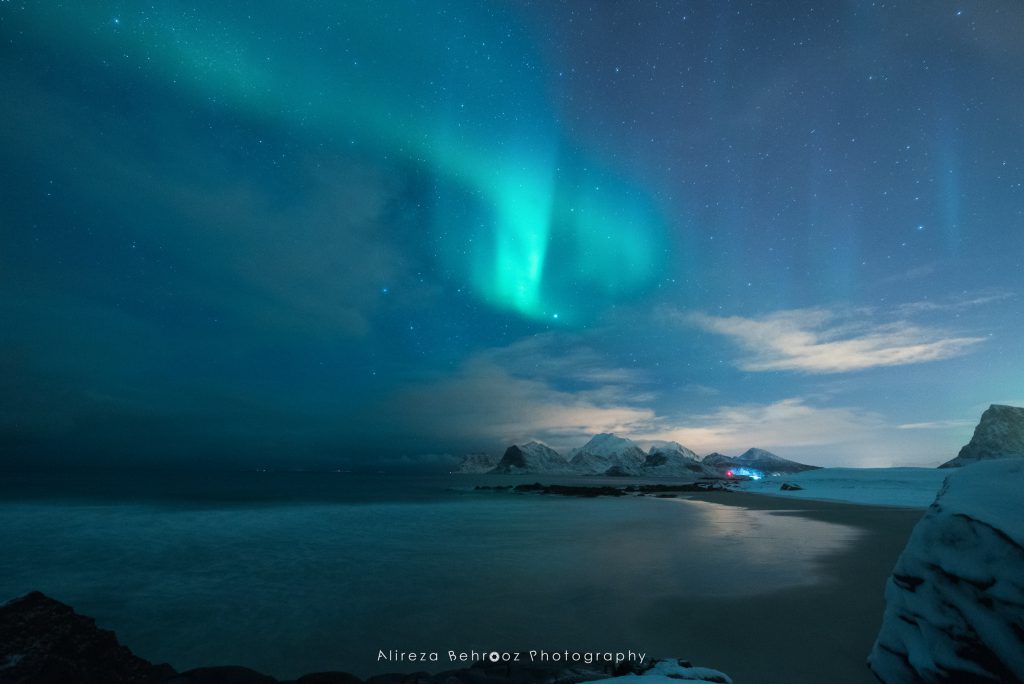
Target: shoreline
[
  {"x": 813, "y": 634},
  {"x": 821, "y": 630}
]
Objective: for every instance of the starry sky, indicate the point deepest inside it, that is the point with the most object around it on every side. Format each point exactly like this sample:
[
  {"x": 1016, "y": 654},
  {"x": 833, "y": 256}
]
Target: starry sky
[{"x": 382, "y": 235}]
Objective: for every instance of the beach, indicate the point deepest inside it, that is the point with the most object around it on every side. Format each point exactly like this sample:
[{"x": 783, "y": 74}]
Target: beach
[
  {"x": 300, "y": 573},
  {"x": 805, "y": 635}
]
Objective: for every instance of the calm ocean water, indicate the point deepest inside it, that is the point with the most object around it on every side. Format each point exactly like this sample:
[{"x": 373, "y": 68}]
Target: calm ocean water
[{"x": 299, "y": 572}]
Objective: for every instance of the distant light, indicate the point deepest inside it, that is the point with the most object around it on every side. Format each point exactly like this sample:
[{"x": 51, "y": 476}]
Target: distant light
[{"x": 752, "y": 473}]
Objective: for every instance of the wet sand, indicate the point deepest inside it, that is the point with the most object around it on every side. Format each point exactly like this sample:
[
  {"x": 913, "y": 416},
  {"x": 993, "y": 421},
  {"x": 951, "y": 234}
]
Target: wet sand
[{"x": 816, "y": 634}]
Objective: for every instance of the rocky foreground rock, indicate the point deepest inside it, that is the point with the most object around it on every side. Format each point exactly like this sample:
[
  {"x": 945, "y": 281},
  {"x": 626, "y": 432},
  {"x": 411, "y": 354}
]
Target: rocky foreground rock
[
  {"x": 955, "y": 601},
  {"x": 44, "y": 641}
]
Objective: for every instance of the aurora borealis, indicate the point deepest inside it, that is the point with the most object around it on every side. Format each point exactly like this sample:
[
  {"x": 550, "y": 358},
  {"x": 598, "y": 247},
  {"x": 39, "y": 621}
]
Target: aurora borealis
[
  {"x": 370, "y": 233},
  {"x": 398, "y": 79}
]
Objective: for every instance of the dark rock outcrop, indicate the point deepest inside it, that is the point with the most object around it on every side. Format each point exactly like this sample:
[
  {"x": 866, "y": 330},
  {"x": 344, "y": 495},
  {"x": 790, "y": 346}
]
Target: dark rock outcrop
[
  {"x": 329, "y": 678},
  {"x": 570, "y": 490},
  {"x": 999, "y": 434},
  {"x": 227, "y": 674},
  {"x": 43, "y": 641},
  {"x": 587, "y": 491}
]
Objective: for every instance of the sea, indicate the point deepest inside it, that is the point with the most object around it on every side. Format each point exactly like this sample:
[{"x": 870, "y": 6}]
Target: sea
[{"x": 296, "y": 572}]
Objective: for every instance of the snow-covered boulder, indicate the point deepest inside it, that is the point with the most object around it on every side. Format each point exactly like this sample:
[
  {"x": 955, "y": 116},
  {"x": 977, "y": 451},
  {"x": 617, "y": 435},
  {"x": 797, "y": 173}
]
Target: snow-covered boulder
[
  {"x": 607, "y": 454},
  {"x": 999, "y": 434},
  {"x": 955, "y": 601},
  {"x": 473, "y": 464},
  {"x": 532, "y": 457}
]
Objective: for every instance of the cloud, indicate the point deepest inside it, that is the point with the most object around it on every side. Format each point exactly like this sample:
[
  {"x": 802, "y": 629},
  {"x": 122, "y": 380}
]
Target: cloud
[
  {"x": 497, "y": 398},
  {"x": 798, "y": 429},
  {"x": 820, "y": 341},
  {"x": 561, "y": 358},
  {"x": 938, "y": 425},
  {"x": 483, "y": 406},
  {"x": 791, "y": 422},
  {"x": 485, "y": 403},
  {"x": 961, "y": 302},
  {"x": 517, "y": 393}
]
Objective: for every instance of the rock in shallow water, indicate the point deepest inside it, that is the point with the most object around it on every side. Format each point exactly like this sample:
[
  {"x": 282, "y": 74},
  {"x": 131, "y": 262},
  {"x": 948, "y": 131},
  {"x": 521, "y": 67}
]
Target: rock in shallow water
[{"x": 955, "y": 601}]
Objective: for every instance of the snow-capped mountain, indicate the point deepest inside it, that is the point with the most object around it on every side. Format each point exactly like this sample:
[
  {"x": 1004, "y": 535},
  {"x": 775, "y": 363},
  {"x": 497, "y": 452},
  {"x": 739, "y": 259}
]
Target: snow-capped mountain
[
  {"x": 606, "y": 454},
  {"x": 670, "y": 450},
  {"x": 532, "y": 457},
  {"x": 756, "y": 455},
  {"x": 674, "y": 460},
  {"x": 999, "y": 434},
  {"x": 717, "y": 460},
  {"x": 609, "y": 454},
  {"x": 755, "y": 459},
  {"x": 473, "y": 464},
  {"x": 953, "y": 601}
]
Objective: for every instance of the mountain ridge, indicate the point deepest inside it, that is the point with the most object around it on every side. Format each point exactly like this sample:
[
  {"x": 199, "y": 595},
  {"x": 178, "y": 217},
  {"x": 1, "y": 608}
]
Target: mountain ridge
[{"x": 608, "y": 454}]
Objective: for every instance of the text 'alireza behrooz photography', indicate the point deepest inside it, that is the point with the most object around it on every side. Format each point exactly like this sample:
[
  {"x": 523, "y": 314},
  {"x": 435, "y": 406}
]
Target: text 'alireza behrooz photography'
[{"x": 499, "y": 342}]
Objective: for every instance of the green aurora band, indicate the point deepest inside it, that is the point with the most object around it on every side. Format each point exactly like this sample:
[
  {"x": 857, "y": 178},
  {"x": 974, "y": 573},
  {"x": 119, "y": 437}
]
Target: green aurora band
[{"x": 535, "y": 226}]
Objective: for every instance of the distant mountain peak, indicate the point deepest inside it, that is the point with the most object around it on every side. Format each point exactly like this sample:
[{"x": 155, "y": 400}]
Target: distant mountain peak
[
  {"x": 672, "y": 459},
  {"x": 531, "y": 457},
  {"x": 673, "y": 447},
  {"x": 756, "y": 454},
  {"x": 607, "y": 439},
  {"x": 607, "y": 453},
  {"x": 999, "y": 434},
  {"x": 756, "y": 459},
  {"x": 477, "y": 463}
]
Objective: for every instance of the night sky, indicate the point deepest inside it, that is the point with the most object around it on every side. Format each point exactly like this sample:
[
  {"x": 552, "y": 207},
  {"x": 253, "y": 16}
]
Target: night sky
[{"x": 372, "y": 234}]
